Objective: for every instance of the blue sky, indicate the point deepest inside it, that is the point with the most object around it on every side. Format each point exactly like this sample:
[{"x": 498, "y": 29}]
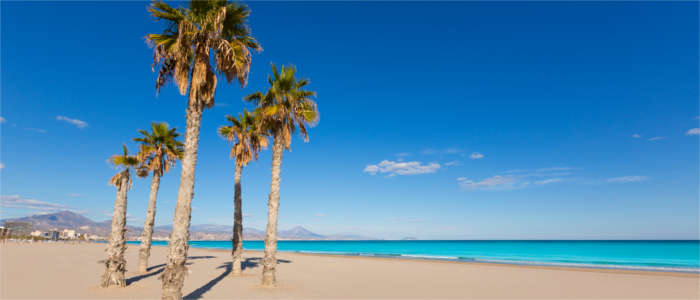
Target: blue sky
[{"x": 452, "y": 120}]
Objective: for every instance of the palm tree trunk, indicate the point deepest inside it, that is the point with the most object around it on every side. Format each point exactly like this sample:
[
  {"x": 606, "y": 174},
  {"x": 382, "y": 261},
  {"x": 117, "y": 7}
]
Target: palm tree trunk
[
  {"x": 237, "y": 249},
  {"x": 147, "y": 236},
  {"x": 273, "y": 203},
  {"x": 174, "y": 273},
  {"x": 115, "y": 265}
]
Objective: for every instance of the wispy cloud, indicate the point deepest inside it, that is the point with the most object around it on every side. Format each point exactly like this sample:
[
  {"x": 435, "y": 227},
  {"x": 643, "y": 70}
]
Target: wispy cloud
[
  {"x": 656, "y": 138},
  {"x": 451, "y": 150},
  {"x": 693, "y": 131},
  {"x": 38, "y": 130},
  {"x": 73, "y": 195},
  {"x": 516, "y": 178},
  {"x": 2, "y": 166},
  {"x": 320, "y": 215},
  {"x": 491, "y": 183},
  {"x": 626, "y": 179},
  {"x": 2, "y": 120},
  {"x": 17, "y": 201},
  {"x": 636, "y": 135},
  {"x": 75, "y": 122},
  {"x": 403, "y": 154},
  {"x": 476, "y": 155},
  {"x": 393, "y": 168},
  {"x": 548, "y": 181},
  {"x": 453, "y": 163}
]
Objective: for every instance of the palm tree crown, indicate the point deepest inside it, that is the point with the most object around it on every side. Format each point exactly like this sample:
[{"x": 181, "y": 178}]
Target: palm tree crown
[
  {"x": 159, "y": 149},
  {"x": 246, "y": 135},
  {"x": 182, "y": 51},
  {"x": 286, "y": 105},
  {"x": 125, "y": 161}
]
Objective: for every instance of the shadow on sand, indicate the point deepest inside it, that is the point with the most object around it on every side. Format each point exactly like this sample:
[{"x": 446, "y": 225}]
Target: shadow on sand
[
  {"x": 254, "y": 262},
  {"x": 251, "y": 262},
  {"x": 160, "y": 269}
]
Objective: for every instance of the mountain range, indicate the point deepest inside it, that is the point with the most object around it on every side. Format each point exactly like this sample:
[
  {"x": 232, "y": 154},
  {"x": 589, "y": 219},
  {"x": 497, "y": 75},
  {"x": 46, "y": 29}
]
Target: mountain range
[{"x": 69, "y": 220}]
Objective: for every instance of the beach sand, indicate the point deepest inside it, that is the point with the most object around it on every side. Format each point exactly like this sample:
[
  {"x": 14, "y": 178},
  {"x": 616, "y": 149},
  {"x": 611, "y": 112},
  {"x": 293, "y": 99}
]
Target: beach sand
[{"x": 56, "y": 270}]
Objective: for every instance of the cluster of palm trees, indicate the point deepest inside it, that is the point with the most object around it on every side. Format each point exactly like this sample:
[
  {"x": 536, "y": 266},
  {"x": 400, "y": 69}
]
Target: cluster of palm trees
[{"x": 200, "y": 41}]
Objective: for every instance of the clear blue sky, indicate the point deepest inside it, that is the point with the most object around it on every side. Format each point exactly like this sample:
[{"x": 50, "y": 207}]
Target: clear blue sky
[{"x": 449, "y": 120}]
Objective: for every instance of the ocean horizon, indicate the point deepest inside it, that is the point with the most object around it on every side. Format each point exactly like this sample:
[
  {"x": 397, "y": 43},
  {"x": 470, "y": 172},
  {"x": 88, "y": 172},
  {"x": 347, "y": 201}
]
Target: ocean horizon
[{"x": 645, "y": 255}]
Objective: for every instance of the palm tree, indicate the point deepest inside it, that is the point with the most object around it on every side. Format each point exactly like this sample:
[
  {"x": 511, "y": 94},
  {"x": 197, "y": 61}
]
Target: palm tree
[
  {"x": 285, "y": 107},
  {"x": 115, "y": 265},
  {"x": 182, "y": 52},
  {"x": 248, "y": 142},
  {"x": 159, "y": 152}
]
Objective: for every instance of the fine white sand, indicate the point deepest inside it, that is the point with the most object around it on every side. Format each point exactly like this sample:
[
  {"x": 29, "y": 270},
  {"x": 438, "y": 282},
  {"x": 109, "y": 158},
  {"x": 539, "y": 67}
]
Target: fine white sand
[{"x": 69, "y": 271}]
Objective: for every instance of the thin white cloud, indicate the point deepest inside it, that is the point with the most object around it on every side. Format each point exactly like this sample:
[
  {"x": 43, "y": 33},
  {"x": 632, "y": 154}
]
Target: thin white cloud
[
  {"x": 636, "y": 135},
  {"x": 38, "y": 130},
  {"x": 2, "y": 166},
  {"x": 490, "y": 183},
  {"x": 453, "y": 163},
  {"x": 516, "y": 178},
  {"x": 548, "y": 181},
  {"x": 320, "y": 215},
  {"x": 693, "y": 131},
  {"x": 393, "y": 168},
  {"x": 2, "y": 120},
  {"x": 17, "y": 201},
  {"x": 75, "y": 122},
  {"x": 476, "y": 155},
  {"x": 403, "y": 154},
  {"x": 656, "y": 138},
  {"x": 73, "y": 195},
  {"x": 451, "y": 150},
  {"x": 626, "y": 179}
]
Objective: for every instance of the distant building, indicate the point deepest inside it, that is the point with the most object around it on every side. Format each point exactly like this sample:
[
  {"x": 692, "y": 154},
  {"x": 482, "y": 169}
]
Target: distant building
[
  {"x": 68, "y": 234},
  {"x": 19, "y": 228},
  {"x": 36, "y": 233},
  {"x": 53, "y": 235}
]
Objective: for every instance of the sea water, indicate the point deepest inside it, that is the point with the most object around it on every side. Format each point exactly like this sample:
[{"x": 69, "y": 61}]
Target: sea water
[{"x": 676, "y": 256}]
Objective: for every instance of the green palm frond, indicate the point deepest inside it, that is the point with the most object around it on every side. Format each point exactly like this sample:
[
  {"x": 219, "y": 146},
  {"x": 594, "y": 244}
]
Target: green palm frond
[
  {"x": 203, "y": 29},
  {"x": 159, "y": 149},
  {"x": 126, "y": 162},
  {"x": 286, "y": 106},
  {"x": 247, "y": 138}
]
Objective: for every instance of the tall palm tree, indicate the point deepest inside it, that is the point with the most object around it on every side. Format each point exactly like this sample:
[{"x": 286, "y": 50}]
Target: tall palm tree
[
  {"x": 115, "y": 265},
  {"x": 159, "y": 151},
  {"x": 248, "y": 141},
  {"x": 183, "y": 53},
  {"x": 285, "y": 107}
]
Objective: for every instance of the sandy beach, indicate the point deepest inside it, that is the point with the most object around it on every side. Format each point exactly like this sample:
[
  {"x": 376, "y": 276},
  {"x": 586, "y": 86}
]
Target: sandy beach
[{"x": 52, "y": 271}]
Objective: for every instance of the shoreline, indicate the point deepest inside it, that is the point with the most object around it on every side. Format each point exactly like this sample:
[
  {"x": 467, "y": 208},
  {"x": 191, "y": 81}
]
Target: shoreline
[{"x": 532, "y": 264}]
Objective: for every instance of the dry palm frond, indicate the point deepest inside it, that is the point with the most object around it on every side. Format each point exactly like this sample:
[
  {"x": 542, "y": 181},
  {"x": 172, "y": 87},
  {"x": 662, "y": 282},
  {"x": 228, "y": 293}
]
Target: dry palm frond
[
  {"x": 125, "y": 161},
  {"x": 286, "y": 106},
  {"x": 159, "y": 149},
  {"x": 247, "y": 137},
  {"x": 183, "y": 49}
]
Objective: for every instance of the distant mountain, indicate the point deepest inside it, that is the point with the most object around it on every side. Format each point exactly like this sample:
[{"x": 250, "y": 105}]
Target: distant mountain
[
  {"x": 299, "y": 233},
  {"x": 70, "y": 220}
]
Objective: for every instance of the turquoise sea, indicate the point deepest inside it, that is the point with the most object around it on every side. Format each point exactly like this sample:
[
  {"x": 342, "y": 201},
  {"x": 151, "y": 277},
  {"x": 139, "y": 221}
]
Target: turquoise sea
[{"x": 676, "y": 256}]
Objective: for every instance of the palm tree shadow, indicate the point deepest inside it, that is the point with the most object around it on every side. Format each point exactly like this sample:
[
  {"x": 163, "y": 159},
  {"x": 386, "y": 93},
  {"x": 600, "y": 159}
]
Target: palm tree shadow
[
  {"x": 162, "y": 267},
  {"x": 196, "y": 294},
  {"x": 254, "y": 262}
]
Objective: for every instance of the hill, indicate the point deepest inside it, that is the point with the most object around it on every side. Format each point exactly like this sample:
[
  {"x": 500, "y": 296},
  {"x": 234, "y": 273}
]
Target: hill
[{"x": 70, "y": 220}]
